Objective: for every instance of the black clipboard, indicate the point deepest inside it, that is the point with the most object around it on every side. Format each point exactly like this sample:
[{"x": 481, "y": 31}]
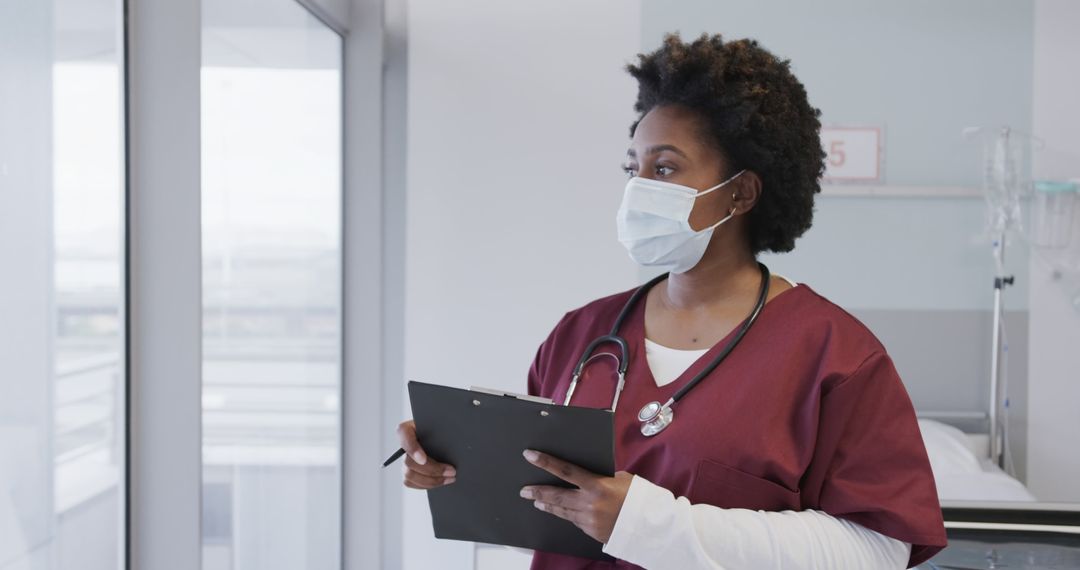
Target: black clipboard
[{"x": 483, "y": 435}]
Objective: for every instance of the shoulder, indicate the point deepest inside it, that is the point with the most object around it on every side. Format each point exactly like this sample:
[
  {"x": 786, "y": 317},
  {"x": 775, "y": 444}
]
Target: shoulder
[
  {"x": 600, "y": 312},
  {"x": 842, "y": 341},
  {"x": 822, "y": 312},
  {"x": 576, "y": 329},
  {"x": 588, "y": 321}
]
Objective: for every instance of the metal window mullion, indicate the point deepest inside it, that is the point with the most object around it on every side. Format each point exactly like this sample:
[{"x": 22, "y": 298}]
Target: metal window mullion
[
  {"x": 364, "y": 418},
  {"x": 164, "y": 284}
]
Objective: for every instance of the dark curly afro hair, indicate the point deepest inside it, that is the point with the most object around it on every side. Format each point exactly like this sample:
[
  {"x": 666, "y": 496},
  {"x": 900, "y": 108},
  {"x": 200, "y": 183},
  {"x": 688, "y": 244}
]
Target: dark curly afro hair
[{"x": 755, "y": 112}]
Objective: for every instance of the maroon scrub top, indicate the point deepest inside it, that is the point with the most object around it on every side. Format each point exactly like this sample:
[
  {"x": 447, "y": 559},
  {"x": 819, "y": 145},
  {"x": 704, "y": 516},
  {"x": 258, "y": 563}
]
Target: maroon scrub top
[{"x": 807, "y": 412}]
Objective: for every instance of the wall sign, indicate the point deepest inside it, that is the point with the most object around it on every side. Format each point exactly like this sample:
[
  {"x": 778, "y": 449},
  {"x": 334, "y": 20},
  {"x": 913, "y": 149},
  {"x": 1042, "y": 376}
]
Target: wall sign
[{"x": 853, "y": 154}]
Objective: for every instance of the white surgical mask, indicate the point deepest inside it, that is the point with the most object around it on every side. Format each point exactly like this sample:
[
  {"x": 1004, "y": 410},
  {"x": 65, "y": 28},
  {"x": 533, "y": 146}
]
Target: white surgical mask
[{"x": 654, "y": 223}]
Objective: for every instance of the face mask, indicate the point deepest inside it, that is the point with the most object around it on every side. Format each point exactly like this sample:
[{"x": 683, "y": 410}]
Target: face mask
[{"x": 654, "y": 223}]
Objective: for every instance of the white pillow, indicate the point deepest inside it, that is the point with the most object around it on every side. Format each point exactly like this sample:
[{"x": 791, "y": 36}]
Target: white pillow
[{"x": 949, "y": 449}]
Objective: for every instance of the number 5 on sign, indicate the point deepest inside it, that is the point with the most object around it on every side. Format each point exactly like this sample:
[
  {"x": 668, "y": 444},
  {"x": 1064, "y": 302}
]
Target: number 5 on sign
[{"x": 853, "y": 154}]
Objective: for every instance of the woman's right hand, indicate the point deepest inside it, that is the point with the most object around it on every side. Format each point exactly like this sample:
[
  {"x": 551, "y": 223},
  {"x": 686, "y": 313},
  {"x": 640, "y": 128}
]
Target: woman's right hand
[{"x": 421, "y": 472}]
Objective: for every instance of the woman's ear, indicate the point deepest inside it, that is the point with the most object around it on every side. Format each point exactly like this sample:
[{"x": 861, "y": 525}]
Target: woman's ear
[{"x": 746, "y": 191}]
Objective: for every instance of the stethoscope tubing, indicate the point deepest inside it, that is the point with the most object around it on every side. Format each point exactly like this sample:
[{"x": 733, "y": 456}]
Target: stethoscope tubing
[
  {"x": 624, "y": 349},
  {"x": 763, "y": 294}
]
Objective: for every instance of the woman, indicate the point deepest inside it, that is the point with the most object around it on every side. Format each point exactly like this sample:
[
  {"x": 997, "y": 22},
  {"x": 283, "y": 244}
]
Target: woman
[{"x": 800, "y": 449}]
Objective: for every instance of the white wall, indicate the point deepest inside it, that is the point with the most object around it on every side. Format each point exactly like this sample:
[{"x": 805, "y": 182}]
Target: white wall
[
  {"x": 518, "y": 117},
  {"x": 1054, "y": 369},
  {"x": 923, "y": 69}
]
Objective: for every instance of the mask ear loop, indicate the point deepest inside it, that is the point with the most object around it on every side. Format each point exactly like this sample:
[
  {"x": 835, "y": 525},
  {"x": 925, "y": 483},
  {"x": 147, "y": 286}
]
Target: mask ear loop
[
  {"x": 730, "y": 215},
  {"x": 717, "y": 224},
  {"x": 720, "y": 185}
]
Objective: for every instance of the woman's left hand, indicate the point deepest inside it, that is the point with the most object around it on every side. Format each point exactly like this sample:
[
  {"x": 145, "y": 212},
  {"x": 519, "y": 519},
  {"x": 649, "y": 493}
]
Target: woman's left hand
[{"x": 593, "y": 506}]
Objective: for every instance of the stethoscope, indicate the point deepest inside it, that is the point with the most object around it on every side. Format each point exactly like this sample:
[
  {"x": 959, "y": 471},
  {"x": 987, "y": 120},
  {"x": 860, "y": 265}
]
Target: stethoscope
[{"x": 655, "y": 417}]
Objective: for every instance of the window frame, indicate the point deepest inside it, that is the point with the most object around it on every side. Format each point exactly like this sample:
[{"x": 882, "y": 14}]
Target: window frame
[{"x": 163, "y": 255}]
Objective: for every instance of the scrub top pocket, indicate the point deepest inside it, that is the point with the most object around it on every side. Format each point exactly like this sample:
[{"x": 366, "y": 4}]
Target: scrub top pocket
[{"x": 729, "y": 488}]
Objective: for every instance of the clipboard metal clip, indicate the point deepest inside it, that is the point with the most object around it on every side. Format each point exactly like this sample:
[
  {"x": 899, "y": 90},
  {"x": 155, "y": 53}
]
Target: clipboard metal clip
[{"x": 526, "y": 397}]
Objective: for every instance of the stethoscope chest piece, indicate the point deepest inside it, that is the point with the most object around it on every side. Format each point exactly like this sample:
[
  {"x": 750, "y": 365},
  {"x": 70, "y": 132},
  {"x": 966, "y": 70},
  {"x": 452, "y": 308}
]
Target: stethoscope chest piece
[{"x": 655, "y": 418}]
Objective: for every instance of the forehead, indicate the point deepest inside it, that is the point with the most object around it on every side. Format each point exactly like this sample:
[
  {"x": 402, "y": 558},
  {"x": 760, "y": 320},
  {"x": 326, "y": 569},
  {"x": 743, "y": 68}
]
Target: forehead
[{"x": 668, "y": 125}]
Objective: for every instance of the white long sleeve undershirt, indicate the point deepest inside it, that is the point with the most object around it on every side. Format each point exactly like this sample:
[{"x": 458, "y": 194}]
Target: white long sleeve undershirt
[{"x": 658, "y": 531}]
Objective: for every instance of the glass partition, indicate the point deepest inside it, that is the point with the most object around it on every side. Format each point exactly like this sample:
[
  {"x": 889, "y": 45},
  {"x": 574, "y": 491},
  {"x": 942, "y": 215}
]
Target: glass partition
[
  {"x": 271, "y": 195},
  {"x": 62, "y": 295}
]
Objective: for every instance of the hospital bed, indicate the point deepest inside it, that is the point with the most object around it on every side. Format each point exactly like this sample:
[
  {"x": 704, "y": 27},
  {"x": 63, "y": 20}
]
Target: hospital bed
[
  {"x": 991, "y": 518},
  {"x": 1016, "y": 536},
  {"x": 962, "y": 468}
]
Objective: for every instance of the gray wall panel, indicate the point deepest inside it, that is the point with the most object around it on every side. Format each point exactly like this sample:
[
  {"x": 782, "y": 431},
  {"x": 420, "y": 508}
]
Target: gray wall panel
[{"x": 943, "y": 358}]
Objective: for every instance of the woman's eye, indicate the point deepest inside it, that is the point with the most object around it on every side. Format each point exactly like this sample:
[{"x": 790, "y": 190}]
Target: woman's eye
[
  {"x": 630, "y": 171},
  {"x": 664, "y": 170}
]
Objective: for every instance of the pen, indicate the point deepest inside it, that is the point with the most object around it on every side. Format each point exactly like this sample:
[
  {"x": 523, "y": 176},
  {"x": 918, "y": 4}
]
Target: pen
[{"x": 397, "y": 455}]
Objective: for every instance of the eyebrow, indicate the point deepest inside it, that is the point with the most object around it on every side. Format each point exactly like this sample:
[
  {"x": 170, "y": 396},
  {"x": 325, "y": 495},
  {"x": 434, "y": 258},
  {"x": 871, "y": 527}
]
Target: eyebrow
[{"x": 657, "y": 149}]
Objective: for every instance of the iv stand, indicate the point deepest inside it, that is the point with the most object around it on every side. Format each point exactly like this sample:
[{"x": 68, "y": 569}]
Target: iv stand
[
  {"x": 1004, "y": 180},
  {"x": 1000, "y": 282}
]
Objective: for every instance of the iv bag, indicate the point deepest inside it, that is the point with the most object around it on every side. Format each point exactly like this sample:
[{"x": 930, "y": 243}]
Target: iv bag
[{"x": 1006, "y": 176}]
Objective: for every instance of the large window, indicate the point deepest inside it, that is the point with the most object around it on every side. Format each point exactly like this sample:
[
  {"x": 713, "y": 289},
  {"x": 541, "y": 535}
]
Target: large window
[
  {"x": 62, "y": 332},
  {"x": 271, "y": 195}
]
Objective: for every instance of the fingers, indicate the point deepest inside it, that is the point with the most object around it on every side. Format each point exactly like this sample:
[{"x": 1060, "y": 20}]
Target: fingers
[
  {"x": 424, "y": 487},
  {"x": 417, "y": 480},
  {"x": 432, "y": 468},
  {"x": 593, "y": 507},
  {"x": 568, "y": 504},
  {"x": 407, "y": 436},
  {"x": 580, "y": 518},
  {"x": 420, "y": 471},
  {"x": 563, "y": 470},
  {"x": 569, "y": 498}
]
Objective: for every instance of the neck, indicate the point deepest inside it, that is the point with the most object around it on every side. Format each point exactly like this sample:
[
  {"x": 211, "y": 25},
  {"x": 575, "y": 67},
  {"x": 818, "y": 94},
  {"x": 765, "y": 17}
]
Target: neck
[{"x": 715, "y": 279}]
